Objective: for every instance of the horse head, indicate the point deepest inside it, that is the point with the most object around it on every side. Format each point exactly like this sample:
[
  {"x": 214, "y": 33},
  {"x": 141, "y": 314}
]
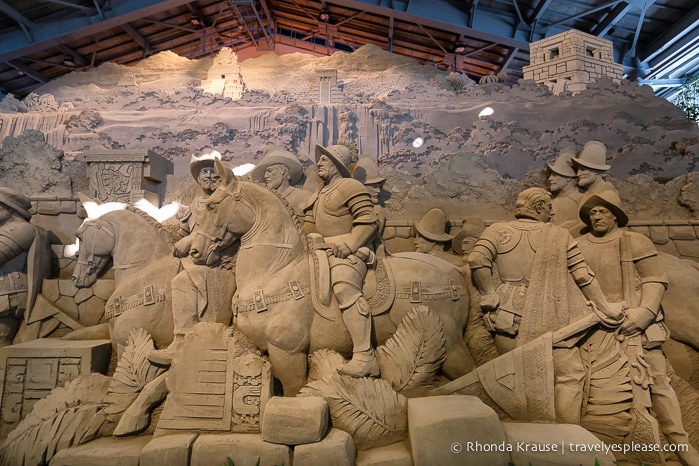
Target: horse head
[
  {"x": 225, "y": 219},
  {"x": 96, "y": 243}
]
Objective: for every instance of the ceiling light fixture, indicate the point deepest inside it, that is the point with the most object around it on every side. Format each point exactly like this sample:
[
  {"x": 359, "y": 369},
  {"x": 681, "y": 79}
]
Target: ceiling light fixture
[
  {"x": 324, "y": 16},
  {"x": 460, "y": 48}
]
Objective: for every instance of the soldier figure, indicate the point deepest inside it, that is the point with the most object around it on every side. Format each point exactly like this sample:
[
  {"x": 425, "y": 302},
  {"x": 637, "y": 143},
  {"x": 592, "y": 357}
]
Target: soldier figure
[
  {"x": 620, "y": 259},
  {"x": 280, "y": 170},
  {"x": 566, "y": 195},
  {"x": 24, "y": 255},
  {"x": 199, "y": 292},
  {"x": 465, "y": 239},
  {"x": 536, "y": 261},
  {"x": 342, "y": 212},
  {"x": 431, "y": 237},
  {"x": 590, "y": 167}
]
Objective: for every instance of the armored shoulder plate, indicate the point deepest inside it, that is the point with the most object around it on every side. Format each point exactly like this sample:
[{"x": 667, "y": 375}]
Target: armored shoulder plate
[{"x": 503, "y": 236}]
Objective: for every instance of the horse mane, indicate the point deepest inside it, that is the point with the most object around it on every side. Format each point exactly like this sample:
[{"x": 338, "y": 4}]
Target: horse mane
[
  {"x": 162, "y": 231},
  {"x": 294, "y": 218}
]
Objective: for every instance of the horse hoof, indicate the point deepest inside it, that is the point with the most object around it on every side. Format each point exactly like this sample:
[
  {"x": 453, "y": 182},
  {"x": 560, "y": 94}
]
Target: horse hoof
[
  {"x": 162, "y": 357},
  {"x": 130, "y": 424}
]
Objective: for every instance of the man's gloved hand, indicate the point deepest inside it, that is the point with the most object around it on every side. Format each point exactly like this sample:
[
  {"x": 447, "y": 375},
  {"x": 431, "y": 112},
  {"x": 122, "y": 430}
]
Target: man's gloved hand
[
  {"x": 612, "y": 316},
  {"x": 341, "y": 250},
  {"x": 490, "y": 302},
  {"x": 182, "y": 247},
  {"x": 637, "y": 320}
]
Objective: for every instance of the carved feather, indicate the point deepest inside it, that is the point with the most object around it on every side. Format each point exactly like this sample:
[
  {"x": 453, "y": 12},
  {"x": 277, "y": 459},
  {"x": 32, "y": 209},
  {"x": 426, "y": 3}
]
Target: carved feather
[
  {"x": 68, "y": 416},
  {"x": 132, "y": 373},
  {"x": 368, "y": 409},
  {"x": 411, "y": 358},
  {"x": 323, "y": 362}
]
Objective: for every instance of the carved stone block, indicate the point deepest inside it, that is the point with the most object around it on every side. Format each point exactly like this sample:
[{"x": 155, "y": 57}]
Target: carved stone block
[
  {"x": 681, "y": 232},
  {"x": 534, "y": 443},
  {"x": 243, "y": 449},
  {"x": 168, "y": 450},
  {"x": 106, "y": 451},
  {"x": 442, "y": 428},
  {"x": 642, "y": 229},
  {"x": 687, "y": 248},
  {"x": 29, "y": 371},
  {"x": 659, "y": 234},
  {"x": 68, "y": 207},
  {"x": 49, "y": 208},
  {"x": 295, "y": 421},
  {"x": 336, "y": 449},
  {"x": 397, "y": 454},
  {"x": 127, "y": 175},
  {"x": 214, "y": 387}
]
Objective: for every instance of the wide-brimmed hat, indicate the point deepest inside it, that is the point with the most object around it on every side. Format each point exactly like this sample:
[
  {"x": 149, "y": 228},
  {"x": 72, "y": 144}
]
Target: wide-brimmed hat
[
  {"x": 16, "y": 201},
  {"x": 433, "y": 225},
  {"x": 366, "y": 171},
  {"x": 610, "y": 200},
  {"x": 593, "y": 155},
  {"x": 278, "y": 155},
  {"x": 562, "y": 165},
  {"x": 471, "y": 226},
  {"x": 205, "y": 160},
  {"x": 339, "y": 154}
]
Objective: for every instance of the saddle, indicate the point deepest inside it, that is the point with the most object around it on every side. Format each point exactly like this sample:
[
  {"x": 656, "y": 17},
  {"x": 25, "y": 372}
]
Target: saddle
[{"x": 378, "y": 288}]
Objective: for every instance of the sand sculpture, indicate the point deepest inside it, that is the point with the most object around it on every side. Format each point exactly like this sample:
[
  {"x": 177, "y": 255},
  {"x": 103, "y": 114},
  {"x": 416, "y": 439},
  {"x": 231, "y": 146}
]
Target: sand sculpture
[
  {"x": 24, "y": 263},
  {"x": 619, "y": 257},
  {"x": 494, "y": 344}
]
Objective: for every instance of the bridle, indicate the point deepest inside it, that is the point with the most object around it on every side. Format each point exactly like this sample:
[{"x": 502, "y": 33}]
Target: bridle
[
  {"x": 218, "y": 236},
  {"x": 89, "y": 262}
]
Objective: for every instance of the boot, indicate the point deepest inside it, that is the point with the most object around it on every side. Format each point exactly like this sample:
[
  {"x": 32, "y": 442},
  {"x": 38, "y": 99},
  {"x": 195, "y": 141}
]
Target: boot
[
  {"x": 358, "y": 322},
  {"x": 164, "y": 357},
  {"x": 363, "y": 364}
]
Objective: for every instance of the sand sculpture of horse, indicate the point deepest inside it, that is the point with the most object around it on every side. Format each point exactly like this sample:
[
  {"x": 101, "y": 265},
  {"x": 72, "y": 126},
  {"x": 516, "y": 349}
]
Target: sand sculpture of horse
[
  {"x": 275, "y": 309},
  {"x": 139, "y": 251}
]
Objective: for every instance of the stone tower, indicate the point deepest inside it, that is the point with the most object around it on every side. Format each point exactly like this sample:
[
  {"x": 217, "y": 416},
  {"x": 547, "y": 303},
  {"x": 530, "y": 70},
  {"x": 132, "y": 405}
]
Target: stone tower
[
  {"x": 570, "y": 60},
  {"x": 224, "y": 78}
]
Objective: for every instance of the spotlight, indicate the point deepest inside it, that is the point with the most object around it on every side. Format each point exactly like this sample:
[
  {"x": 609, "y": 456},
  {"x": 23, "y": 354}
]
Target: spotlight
[
  {"x": 460, "y": 48},
  {"x": 487, "y": 111},
  {"x": 324, "y": 16}
]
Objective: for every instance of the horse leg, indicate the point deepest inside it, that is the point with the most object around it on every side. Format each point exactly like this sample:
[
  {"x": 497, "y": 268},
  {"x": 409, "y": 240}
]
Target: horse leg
[
  {"x": 290, "y": 368},
  {"x": 288, "y": 336},
  {"x": 136, "y": 418},
  {"x": 459, "y": 360}
]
